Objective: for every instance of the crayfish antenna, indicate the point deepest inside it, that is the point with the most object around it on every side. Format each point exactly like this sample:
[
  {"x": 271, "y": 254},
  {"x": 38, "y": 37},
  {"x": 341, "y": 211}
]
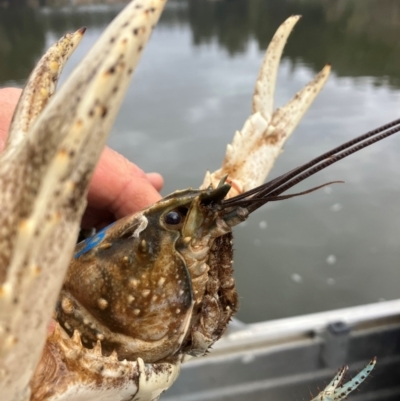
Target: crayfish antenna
[{"x": 272, "y": 190}]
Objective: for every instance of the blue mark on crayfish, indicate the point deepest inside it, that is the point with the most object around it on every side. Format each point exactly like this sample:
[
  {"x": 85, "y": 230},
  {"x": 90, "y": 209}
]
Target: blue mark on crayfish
[{"x": 92, "y": 242}]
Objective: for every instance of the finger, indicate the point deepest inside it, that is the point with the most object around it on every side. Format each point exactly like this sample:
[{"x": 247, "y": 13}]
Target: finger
[
  {"x": 99, "y": 217},
  {"x": 156, "y": 180},
  {"x": 8, "y": 100},
  {"x": 51, "y": 326},
  {"x": 121, "y": 187}
]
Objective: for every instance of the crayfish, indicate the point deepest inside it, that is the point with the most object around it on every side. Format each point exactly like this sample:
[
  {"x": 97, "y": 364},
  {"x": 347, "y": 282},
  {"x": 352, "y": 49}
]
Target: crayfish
[{"x": 154, "y": 288}]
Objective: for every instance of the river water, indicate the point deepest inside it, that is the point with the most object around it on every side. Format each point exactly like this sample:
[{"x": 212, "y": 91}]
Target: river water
[{"x": 336, "y": 247}]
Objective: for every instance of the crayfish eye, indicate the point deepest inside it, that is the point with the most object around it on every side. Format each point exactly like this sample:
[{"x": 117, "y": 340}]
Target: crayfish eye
[{"x": 173, "y": 218}]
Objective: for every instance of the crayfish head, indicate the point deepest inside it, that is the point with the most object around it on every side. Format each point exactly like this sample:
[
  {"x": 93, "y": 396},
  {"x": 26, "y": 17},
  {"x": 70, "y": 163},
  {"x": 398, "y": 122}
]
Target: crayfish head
[{"x": 138, "y": 284}]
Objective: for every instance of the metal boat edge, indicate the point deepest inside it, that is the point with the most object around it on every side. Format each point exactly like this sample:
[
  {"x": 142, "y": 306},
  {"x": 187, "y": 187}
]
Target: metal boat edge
[{"x": 287, "y": 359}]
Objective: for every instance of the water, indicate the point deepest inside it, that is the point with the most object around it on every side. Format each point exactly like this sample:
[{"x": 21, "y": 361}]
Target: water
[{"x": 334, "y": 248}]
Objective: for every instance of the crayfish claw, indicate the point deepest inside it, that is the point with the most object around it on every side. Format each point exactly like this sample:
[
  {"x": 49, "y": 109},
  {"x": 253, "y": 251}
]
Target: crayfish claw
[
  {"x": 254, "y": 149},
  {"x": 336, "y": 391}
]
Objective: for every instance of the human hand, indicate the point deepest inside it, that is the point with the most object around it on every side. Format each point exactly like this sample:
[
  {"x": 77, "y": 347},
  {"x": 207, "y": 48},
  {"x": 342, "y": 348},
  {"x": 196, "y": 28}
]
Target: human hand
[{"x": 118, "y": 187}]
